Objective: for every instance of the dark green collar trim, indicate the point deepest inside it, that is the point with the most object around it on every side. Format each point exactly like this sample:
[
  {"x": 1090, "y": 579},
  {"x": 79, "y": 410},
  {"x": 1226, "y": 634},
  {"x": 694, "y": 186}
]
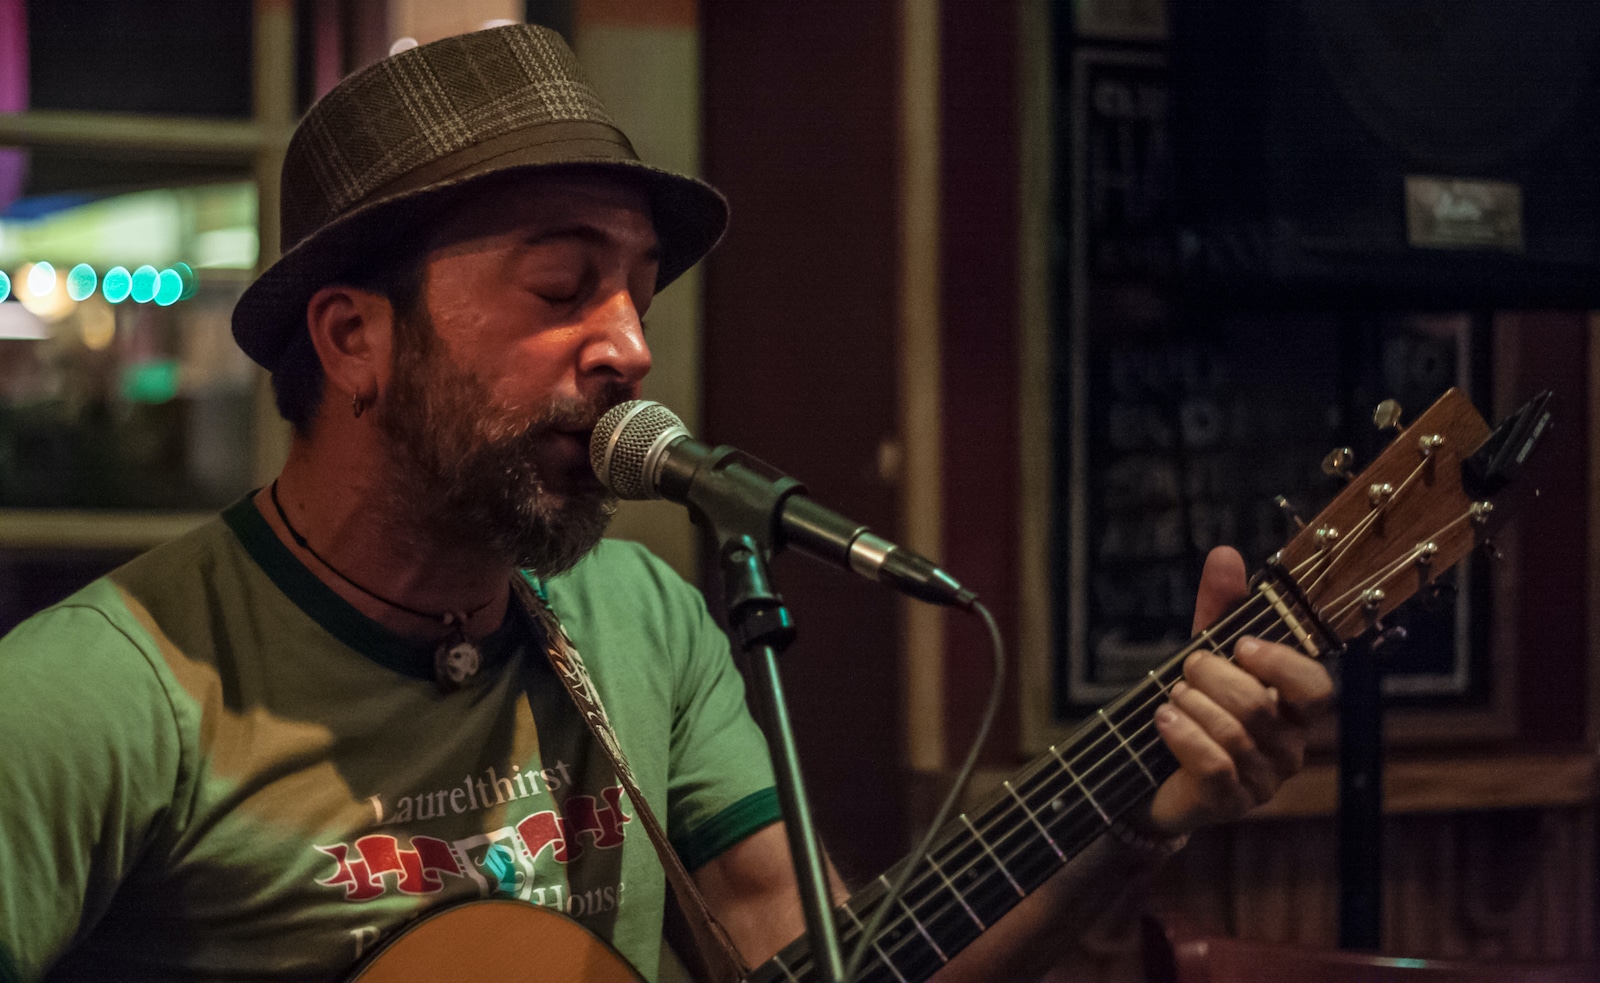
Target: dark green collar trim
[{"x": 338, "y": 616}]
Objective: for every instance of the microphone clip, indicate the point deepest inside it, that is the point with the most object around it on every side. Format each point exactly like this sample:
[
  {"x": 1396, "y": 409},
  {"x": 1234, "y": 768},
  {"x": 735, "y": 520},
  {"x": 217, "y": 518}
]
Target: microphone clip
[{"x": 738, "y": 498}]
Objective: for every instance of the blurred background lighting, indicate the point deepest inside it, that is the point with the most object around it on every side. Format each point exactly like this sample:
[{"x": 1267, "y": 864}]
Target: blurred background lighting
[
  {"x": 235, "y": 248},
  {"x": 17, "y": 323},
  {"x": 97, "y": 325},
  {"x": 155, "y": 381},
  {"x": 46, "y": 295},
  {"x": 41, "y": 279},
  {"x": 81, "y": 281},
  {"x": 169, "y": 287},
  {"x": 144, "y": 284},
  {"x": 118, "y": 284},
  {"x": 191, "y": 283},
  {"x": 5, "y": 286}
]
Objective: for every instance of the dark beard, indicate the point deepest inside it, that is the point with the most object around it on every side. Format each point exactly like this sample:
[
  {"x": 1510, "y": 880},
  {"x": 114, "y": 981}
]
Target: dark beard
[{"x": 471, "y": 464}]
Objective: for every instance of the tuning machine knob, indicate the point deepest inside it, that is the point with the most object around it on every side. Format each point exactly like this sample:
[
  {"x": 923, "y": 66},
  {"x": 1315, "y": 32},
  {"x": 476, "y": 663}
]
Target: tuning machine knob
[
  {"x": 1388, "y": 635},
  {"x": 1288, "y": 509},
  {"x": 1338, "y": 462},
  {"x": 1387, "y": 415}
]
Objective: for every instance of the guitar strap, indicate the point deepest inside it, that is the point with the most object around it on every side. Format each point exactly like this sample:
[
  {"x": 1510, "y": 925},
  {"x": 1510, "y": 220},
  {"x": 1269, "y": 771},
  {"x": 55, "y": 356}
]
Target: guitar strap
[{"x": 709, "y": 954}]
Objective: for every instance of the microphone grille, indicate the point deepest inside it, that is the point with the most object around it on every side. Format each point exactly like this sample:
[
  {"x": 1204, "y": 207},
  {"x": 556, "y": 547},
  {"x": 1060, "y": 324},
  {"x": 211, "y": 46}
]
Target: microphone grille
[{"x": 621, "y": 443}]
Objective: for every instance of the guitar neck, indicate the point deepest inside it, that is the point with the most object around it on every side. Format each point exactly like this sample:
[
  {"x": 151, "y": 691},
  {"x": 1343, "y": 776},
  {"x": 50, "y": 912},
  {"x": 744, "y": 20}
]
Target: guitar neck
[
  {"x": 1409, "y": 518},
  {"x": 986, "y": 861}
]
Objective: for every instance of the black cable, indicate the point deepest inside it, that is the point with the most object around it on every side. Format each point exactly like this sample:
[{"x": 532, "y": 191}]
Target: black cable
[{"x": 996, "y": 692}]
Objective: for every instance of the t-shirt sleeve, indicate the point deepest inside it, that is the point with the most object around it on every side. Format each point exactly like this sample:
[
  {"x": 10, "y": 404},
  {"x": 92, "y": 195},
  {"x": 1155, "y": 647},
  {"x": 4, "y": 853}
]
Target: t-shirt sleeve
[
  {"x": 720, "y": 788},
  {"x": 90, "y": 761}
]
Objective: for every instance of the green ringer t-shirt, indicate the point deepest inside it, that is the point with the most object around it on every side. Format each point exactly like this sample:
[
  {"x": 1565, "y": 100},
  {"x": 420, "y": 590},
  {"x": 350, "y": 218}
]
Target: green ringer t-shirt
[{"x": 213, "y": 767}]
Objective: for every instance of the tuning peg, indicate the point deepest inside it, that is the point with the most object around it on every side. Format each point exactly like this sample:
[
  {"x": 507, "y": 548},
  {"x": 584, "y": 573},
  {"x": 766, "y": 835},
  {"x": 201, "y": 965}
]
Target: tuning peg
[
  {"x": 1388, "y": 634},
  {"x": 1338, "y": 462},
  {"x": 1289, "y": 510},
  {"x": 1494, "y": 551},
  {"x": 1387, "y": 415}
]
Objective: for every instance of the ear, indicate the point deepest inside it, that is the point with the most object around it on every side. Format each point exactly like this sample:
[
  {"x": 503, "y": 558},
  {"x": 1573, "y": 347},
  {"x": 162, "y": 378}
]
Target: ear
[{"x": 353, "y": 331}]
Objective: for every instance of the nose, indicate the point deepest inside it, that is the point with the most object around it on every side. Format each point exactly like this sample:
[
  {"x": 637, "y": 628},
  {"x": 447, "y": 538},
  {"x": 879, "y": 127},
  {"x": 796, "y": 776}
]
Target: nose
[{"x": 616, "y": 349}]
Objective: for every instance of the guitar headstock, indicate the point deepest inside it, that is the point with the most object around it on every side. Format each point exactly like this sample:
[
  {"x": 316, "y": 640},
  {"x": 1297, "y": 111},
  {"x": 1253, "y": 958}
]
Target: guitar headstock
[{"x": 1428, "y": 500}]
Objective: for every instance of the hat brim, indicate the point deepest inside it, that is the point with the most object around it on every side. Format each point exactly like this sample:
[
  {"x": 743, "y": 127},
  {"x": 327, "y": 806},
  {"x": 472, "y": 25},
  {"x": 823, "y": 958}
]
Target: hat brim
[{"x": 689, "y": 217}]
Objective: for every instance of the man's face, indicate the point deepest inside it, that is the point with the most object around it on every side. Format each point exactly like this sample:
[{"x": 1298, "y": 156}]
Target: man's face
[{"x": 529, "y": 328}]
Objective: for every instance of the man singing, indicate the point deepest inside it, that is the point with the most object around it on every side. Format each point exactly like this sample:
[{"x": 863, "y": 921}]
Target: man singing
[{"x": 259, "y": 750}]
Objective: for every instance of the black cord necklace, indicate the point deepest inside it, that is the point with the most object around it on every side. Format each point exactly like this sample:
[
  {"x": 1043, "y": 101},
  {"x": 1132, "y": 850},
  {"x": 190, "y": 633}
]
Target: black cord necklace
[{"x": 456, "y": 659}]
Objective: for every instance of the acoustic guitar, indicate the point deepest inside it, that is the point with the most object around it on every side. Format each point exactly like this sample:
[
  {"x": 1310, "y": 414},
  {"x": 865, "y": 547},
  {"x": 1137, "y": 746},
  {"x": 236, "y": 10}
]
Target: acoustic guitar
[{"x": 1428, "y": 500}]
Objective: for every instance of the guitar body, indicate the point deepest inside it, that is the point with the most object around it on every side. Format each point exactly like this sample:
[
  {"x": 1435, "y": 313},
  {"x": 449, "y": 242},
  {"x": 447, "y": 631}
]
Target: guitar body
[{"x": 497, "y": 941}]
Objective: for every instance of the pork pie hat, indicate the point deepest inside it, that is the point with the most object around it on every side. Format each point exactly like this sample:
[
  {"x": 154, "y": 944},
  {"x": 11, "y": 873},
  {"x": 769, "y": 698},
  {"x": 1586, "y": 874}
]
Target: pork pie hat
[{"x": 371, "y": 157}]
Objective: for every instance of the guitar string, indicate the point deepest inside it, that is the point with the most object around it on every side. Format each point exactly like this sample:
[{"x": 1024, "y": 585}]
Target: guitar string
[
  {"x": 1330, "y": 559},
  {"x": 916, "y": 895},
  {"x": 1372, "y": 516},
  {"x": 925, "y": 878},
  {"x": 999, "y": 816},
  {"x": 1353, "y": 598},
  {"x": 1368, "y": 520},
  {"x": 1002, "y": 814},
  {"x": 1377, "y": 578}
]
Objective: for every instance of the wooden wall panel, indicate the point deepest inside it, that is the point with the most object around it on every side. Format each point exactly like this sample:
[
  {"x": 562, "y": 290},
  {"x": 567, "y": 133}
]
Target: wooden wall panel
[
  {"x": 801, "y": 133},
  {"x": 1497, "y": 884},
  {"x": 980, "y": 301}
]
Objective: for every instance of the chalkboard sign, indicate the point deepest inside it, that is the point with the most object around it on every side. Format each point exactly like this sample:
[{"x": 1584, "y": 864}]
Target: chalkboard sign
[{"x": 1176, "y": 429}]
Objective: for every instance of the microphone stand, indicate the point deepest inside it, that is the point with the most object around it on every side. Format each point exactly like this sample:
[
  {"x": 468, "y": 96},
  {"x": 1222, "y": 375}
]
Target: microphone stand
[
  {"x": 1360, "y": 811},
  {"x": 744, "y": 521},
  {"x": 760, "y": 622}
]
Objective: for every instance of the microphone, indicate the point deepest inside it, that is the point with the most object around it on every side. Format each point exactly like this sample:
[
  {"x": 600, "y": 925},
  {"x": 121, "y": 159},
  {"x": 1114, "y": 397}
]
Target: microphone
[{"x": 640, "y": 450}]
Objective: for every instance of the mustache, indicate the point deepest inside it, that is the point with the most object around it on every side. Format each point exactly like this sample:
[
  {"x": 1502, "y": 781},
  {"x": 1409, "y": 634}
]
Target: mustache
[{"x": 567, "y": 415}]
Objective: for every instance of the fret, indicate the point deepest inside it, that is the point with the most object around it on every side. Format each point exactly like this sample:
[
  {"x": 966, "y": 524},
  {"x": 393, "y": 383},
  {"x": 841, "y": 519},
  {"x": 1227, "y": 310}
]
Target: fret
[
  {"x": 883, "y": 957},
  {"x": 1128, "y": 747},
  {"x": 915, "y": 921},
  {"x": 1165, "y": 685},
  {"x": 983, "y": 889},
  {"x": 1081, "y": 787},
  {"x": 1020, "y": 892},
  {"x": 787, "y": 972},
  {"x": 960, "y": 898},
  {"x": 1042, "y": 831}
]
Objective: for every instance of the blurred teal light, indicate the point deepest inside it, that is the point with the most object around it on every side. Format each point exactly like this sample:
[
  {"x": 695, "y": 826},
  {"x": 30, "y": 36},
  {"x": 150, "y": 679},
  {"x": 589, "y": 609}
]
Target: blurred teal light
[
  {"x": 191, "y": 282},
  {"x": 81, "y": 282},
  {"x": 5, "y": 285},
  {"x": 169, "y": 287},
  {"x": 144, "y": 284},
  {"x": 117, "y": 285},
  {"x": 150, "y": 382}
]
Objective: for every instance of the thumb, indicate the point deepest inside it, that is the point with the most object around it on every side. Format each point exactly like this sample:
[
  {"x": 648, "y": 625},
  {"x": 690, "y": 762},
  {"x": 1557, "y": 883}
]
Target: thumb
[{"x": 1222, "y": 584}]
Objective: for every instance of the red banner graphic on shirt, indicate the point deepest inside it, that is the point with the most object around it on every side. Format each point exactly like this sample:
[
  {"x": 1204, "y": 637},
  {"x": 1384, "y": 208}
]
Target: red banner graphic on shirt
[{"x": 361, "y": 869}]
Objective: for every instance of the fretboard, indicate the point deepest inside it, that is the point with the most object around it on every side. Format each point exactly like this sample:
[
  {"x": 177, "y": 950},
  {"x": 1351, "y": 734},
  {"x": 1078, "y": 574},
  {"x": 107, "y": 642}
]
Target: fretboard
[{"x": 986, "y": 861}]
